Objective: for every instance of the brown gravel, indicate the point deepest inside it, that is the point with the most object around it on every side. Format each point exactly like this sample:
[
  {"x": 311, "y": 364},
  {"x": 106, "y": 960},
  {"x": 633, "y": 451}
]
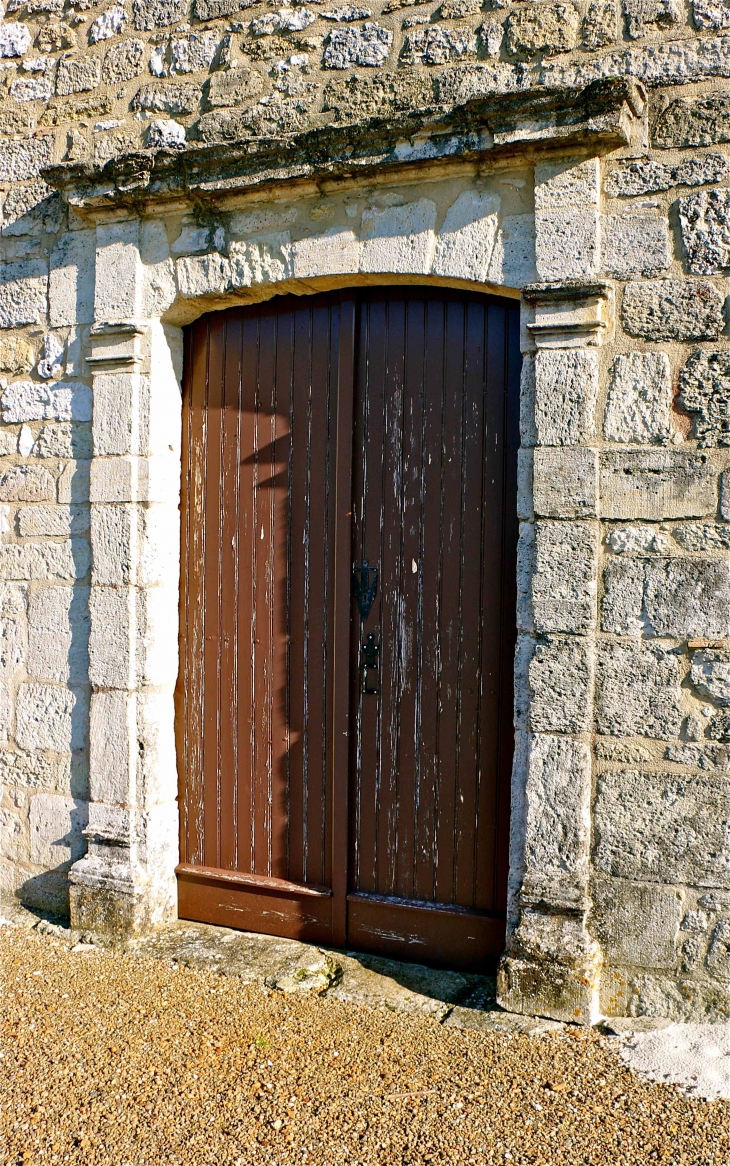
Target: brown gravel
[{"x": 117, "y": 1059}]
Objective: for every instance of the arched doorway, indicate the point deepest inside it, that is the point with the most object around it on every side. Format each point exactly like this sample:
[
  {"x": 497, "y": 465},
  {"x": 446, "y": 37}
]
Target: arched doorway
[{"x": 344, "y": 708}]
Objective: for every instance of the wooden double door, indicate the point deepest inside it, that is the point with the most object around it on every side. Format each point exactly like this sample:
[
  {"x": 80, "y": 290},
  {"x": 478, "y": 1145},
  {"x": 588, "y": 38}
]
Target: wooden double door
[{"x": 344, "y": 707}]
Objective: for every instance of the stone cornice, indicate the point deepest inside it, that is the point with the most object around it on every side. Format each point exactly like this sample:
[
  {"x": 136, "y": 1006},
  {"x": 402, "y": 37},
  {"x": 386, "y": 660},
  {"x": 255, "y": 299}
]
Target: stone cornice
[{"x": 596, "y": 118}]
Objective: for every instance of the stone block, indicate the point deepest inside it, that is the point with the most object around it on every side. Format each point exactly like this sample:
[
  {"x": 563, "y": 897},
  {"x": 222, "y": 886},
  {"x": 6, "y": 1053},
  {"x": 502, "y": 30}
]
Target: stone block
[
  {"x": 513, "y": 261},
  {"x": 637, "y": 692},
  {"x": 37, "y": 88},
  {"x": 334, "y": 252},
  {"x": 17, "y": 355},
  {"x": 639, "y": 404},
  {"x": 118, "y": 401},
  {"x": 557, "y": 577},
  {"x": 565, "y": 483},
  {"x": 567, "y": 184},
  {"x": 465, "y": 243},
  {"x": 15, "y": 39},
  {"x": 107, "y": 25},
  {"x": 636, "y": 923},
  {"x": 13, "y": 643},
  {"x": 366, "y": 45},
  {"x": 688, "y": 597},
  {"x": 112, "y": 741},
  {"x": 37, "y": 401},
  {"x": 58, "y": 634},
  {"x": 361, "y": 97},
  {"x": 557, "y": 827},
  {"x": 710, "y": 674},
  {"x": 233, "y": 87},
  {"x": 27, "y": 483},
  {"x": 711, "y": 13},
  {"x": 49, "y": 716},
  {"x": 56, "y": 825},
  {"x": 665, "y": 828},
  {"x": 112, "y": 663},
  {"x": 63, "y": 440},
  {"x": 195, "y": 52},
  {"x": 649, "y": 175},
  {"x": 670, "y": 309},
  {"x": 71, "y": 285},
  {"x": 703, "y": 536},
  {"x": 173, "y": 98},
  {"x": 23, "y": 290},
  {"x": 67, "y": 560},
  {"x": 704, "y": 392},
  {"x": 623, "y": 597},
  {"x": 159, "y": 625},
  {"x": 123, "y": 61},
  {"x": 398, "y": 239},
  {"x": 24, "y": 158},
  {"x": 535, "y": 28},
  {"x": 77, "y": 75},
  {"x": 117, "y": 283},
  {"x": 135, "y": 479},
  {"x": 703, "y": 121},
  {"x": 264, "y": 260},
  {"x": 560, "y": 681},
  {"x": 725, "y": 495},
  {"x": 525, "y": 476},
  {"x": 656, "y": 484},
  {"x": 566, "y": 388},
  {"x": 528, "y": 429},
  {"x": 635, "y": 245},
  {"x": 439, "y": 46},
  {"x": 704, "y": 220},
  {"x": 56, "y": 521},
  {"x": 115, "y": 534},
  {"x": 717, "y": 960},
  {"x": 567, "y": 244},
  {"x": 647, "y": 16},
  {"x": 600, "y": 24},
  {"x": 150, "y": 14},
  {"x": 203, "y": 275}
]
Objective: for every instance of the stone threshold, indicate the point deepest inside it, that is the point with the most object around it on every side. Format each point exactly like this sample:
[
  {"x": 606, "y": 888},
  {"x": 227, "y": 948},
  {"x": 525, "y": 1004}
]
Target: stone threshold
[{"x": 454, "y": 999}]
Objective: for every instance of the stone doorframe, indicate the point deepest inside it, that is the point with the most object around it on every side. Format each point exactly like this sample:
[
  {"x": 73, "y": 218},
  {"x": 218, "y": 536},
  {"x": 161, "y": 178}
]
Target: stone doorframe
[{"x": 126, "y": 881}]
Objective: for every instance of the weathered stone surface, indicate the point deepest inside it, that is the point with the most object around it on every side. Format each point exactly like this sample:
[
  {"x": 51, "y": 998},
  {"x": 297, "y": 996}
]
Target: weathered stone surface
[
  {"x": 68, "y": 560},
  {"x": 637, "y": 923},
  {"x": 27, "y": 484},
  {"x": 688, "y": 597},
  {"x": 639, "y": 399},
  {"x": 560, "y": 686},
  {"x": 56, "y": 825},
  {"x": 71, "y": 282},
  {"x": 705, "y": 226},
  {"x": 567, "y": 244},
  {"x": 566, "y": 388},
  {"x": 195, "y": 52},
  {"x": 398, "y": 238},
  {"x": 358, "y": 97},
  {"x": 513, "y": 258},
  {"x": 717, "y": 960},
  {"x": 702, "y": 536},
  {"x": 643, "y": 16},
  {"x": 647, "y": 175},
  {"x": 557, "y": 796},
  {"x": 534, "y": 28},
  {"x": 169, "y": 98},
  {"x": 668, "y": 309},
  {"x": 77, "y": 75},
  {"x": 711, "y": 13},
  {"x": 465, "y": 243},
  {"x": 346, "y": 13},
  {"x": 58, "y": 634},
  {"x": 635, "y": 245},
  {"x": 705, "y": 756},
  {"x": 123, "y": 61},
  {"x": 234, "y": 86},
  {"x": 31, "y": 88},
  {"x": 345, "y": 47},
  {"x": 163, "y": 133},
  {"x": 656, "y": 484},
  {"x": 15, "y": 39},
  {"x": 704, "y": 391},
  {"x": 107, "y": 25},
  {"x": 638, "y": 540},
  {"x": 35, "y": 401},
  {"x": 663, "y": 828},
  {"x": 24, "y": 158},
  {"x": 23, "y": 293},
  {"x": 557, "y": 577},
  {"x": 160, "y": 13},
  {"x": 600, "y": 24},
  {"x": 623, "y": 596},
  {"x": 710, "y": 674},
  {"x": 622, "y": 751},
  {"x": 565, "y": 483},
  {"x": 55, "y": 35},
  {"x": 567, "y": 184},
  {"x": 56, "y": 521},
  {"x": 49, "y": 716},
  {"x": 279, "y": 116},
  {"x": 637, "y": 692},
  {"x": 436, "y": 46},
  {"x": 203, "y": 275},
  {"x": 16, "y": 355},
  {"x": 703, "y": 121},
  {"x": 264, "y": 260}
]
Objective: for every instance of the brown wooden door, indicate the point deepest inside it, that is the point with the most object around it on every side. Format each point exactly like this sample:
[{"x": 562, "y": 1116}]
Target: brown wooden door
[{"x": 378, "y": 424}]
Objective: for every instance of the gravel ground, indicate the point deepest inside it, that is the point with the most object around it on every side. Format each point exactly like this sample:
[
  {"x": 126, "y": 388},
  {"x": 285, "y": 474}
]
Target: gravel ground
[{"x": 125, "y": 1060}]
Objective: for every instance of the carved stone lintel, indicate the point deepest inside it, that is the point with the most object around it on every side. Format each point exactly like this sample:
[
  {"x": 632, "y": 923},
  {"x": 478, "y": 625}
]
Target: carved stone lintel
[{"x": 571, "y": 315}]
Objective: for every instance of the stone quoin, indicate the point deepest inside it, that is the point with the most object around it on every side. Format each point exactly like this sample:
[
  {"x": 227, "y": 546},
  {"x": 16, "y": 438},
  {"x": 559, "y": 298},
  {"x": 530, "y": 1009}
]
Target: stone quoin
[{"x": 160, "y": 161}]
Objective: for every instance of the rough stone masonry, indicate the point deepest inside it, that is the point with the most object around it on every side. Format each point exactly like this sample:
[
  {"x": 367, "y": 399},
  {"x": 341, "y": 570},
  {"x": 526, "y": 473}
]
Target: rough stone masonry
[{"x": 159, "y": 159}]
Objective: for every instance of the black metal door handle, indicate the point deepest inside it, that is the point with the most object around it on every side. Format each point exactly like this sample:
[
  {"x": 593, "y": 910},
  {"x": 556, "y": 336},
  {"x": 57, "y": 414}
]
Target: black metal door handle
[
  {"x": 370, "y": 663},
  {"x": 364, "y": 587}
]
